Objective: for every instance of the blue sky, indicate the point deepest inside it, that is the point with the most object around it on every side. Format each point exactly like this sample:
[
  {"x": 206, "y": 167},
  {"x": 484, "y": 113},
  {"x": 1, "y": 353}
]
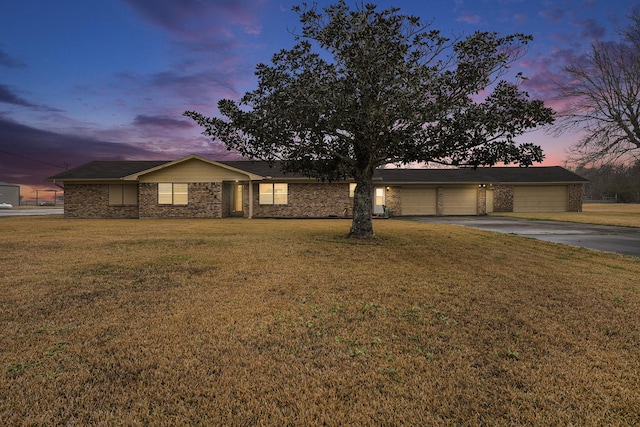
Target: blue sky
[{"x": 82, "y": 80}]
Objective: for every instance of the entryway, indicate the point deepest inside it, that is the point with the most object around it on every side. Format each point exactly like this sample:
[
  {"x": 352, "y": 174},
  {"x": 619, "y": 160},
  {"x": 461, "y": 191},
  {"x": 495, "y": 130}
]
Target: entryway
[{"x": 237, "y": 200}]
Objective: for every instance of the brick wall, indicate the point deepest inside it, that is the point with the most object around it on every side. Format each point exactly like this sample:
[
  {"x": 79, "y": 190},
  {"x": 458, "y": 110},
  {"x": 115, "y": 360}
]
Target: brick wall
[
  {"x": 205, "y": 201},
  {"x": 393, "y": 202},
  {"x": 575, "y": 197},
  {"x": 308, "y": 200},
  {"x": 482, "y": 200},
  {"x": 305, "y": 200},
  {"x": 226, "y": 196},
  {"x": 503, "y": 198},
  {"x": 92, "y": 201}
]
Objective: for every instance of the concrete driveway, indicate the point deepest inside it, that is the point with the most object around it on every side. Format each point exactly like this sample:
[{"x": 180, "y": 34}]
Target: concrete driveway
[{"x": 622, "y": 240}]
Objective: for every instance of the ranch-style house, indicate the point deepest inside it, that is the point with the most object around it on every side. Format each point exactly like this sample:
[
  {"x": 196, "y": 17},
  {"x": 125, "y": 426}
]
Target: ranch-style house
[{"x": 195, "y": 187}]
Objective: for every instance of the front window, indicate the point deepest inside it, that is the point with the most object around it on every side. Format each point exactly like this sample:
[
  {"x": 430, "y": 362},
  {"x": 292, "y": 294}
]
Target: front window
[
  {"x": 123, "y": 195},
  {"x": 173, "y": 193},
  {"x": 380, "y": 196},
  {"x": 274, "y": 194}
]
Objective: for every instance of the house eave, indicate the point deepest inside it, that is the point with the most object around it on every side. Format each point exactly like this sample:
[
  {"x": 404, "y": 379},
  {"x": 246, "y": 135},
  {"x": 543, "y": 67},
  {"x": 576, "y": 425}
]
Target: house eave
[
  {"x": 539, "y": 182},
  {"x": 433, "y": 183},
  {"x": 84, "y": 180}
]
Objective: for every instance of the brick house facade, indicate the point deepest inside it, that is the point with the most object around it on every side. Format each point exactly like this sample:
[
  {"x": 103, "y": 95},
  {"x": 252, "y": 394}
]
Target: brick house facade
[{"x": 195, "y": 187}]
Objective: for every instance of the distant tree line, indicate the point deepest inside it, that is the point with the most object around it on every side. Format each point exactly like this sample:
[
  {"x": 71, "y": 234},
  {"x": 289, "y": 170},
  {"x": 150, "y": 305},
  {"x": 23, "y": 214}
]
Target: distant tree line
[{"x": 612, "y": 182}]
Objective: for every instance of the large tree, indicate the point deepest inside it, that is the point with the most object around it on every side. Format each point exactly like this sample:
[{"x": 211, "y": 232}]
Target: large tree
[
  {"x": 362, "y": 89},
  {"x": 603, "y": 100}
]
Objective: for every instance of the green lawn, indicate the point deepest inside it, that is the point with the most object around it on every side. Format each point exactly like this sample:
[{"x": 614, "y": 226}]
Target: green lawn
[{"x": 288, "y": 322}]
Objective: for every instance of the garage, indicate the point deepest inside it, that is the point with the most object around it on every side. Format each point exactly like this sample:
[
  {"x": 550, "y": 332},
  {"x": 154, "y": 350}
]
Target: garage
[
  {"x": 419, "y": 201},
  {"x": 460, "y": 200},
  {"x": 540, "y": 198}
]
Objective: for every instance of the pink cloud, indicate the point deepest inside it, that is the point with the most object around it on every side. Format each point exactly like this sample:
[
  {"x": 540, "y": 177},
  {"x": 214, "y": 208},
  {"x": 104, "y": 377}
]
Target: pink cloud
[
  {"x": 520, "y": 17},
  {"x": 469, "y": 18},
  {"x": 162, "y": 121},
  {"x": 199, "y": 19},
  {"x": 42, "y": 153},
  {"x": 545, "y": 72},
  {"x": 553, "y": 15},
  {"x": 591, "y": 30}
]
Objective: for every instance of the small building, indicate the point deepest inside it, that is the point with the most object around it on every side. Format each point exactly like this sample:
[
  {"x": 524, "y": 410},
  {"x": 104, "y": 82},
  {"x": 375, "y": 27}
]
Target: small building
[
  {"x": 10, "y": 193},
  {"x": 195, "y": 187}
]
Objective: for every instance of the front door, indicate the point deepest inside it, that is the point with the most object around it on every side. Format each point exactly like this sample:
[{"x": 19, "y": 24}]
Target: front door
[
  {"x": 237, "y": 202},
  {"x": 378, "y": 201}
]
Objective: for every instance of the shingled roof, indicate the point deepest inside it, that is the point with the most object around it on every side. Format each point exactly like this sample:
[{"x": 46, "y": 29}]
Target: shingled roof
[
  {"x": 100, "y": 170},
  {"x": 261, "y": 168},
  {"x": 540, "y": 174},
  {"x": 114, "y": 170}
]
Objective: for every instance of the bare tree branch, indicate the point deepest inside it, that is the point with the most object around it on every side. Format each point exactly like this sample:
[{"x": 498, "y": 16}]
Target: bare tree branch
[{"x": 603, "y": 100}]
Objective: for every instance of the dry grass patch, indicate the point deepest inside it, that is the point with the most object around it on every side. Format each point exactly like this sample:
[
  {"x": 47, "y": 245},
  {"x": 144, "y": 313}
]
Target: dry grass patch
[
  {"x": 286, "y": 322},
  {"x": 621, "y": 214}
]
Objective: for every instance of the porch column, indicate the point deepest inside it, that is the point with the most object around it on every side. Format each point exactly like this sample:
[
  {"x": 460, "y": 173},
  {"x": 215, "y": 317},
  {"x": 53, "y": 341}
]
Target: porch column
[
  {"x": 250, "y": 199},
  {"x": 482, "y": 199}
]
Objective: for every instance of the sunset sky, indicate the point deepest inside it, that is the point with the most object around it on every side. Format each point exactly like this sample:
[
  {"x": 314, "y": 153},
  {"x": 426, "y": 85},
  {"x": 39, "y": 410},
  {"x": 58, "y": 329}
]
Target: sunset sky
[{"x": 84, "y": 80}]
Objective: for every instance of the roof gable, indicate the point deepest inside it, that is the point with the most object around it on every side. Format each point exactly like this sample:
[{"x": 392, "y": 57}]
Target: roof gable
[{"x": 196, "y": 167}]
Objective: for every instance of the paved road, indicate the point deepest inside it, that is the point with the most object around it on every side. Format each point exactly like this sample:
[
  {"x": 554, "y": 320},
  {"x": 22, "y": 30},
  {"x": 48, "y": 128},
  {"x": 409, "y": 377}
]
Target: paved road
[
  {"x": 35, "y": 211},
  {"x": 622, "y": 240}
]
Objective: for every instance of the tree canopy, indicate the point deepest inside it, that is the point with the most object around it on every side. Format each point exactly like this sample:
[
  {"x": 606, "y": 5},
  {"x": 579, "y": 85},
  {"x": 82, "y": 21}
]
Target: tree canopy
[
  {"x": 603, "y": 96},
  {"x": 364, "y": 88}
]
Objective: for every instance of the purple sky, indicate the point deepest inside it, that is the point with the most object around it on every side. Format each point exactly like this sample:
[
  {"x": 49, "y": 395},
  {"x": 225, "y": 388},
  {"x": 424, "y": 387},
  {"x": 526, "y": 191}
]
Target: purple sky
[{"x": 86, "y": 80}]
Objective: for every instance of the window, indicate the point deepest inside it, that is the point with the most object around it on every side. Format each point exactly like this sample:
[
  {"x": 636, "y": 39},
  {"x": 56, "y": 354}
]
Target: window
[
  {"x": 380, "y": 196},
  {"x": 274, "y": 194},
  {"x": 352, "y": 189},
  {"x": 173, "y": 193},
  {"x": 120, "y": 195}
]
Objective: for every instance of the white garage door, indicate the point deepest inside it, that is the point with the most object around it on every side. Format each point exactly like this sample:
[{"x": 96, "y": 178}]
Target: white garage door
[
  {"x": 460, "y": 201},
  {"x": 418, "y": 201},
  {"x": 542, "y": 198}
]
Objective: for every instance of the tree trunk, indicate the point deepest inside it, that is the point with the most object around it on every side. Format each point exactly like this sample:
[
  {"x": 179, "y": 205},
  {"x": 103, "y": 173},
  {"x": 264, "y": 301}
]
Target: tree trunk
[{"x": 362, "y": 225}]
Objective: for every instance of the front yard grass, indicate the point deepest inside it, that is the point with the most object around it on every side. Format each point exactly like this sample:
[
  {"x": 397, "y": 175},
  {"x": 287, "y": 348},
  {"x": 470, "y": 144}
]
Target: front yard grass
[
  {"x": 288, "y": 322},
  {"x": 620, "y": 214}
]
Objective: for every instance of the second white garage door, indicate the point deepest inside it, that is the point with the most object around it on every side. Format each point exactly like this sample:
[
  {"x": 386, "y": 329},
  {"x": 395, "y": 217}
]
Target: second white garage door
[
  {"x": 460, "y": 201},
  {"x": 418, "y": 201},
  {"x": 540, "y": 198}
]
